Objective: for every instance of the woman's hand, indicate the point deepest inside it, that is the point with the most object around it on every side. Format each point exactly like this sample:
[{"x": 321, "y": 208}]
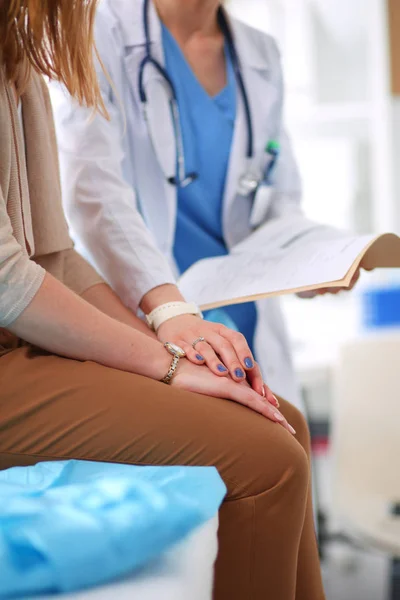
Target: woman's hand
[
  {"x": 223, "y": 351},
  {"x": 201, "y": 380}
]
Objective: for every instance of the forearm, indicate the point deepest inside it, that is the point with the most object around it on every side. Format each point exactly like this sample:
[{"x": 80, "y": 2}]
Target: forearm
[
  {"x": 63, "y": 323},
  {"x": 160, "y": 295},
  {"x": 105, "y": 299}
]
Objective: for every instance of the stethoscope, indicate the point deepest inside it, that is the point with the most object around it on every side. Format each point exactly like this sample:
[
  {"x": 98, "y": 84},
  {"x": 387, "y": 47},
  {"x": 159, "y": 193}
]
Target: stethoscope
[{"x": 250, "y": 180}]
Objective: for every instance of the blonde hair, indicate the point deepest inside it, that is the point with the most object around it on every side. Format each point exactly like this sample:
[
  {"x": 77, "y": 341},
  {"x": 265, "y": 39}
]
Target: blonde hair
[{"x": 56, "y": 39}]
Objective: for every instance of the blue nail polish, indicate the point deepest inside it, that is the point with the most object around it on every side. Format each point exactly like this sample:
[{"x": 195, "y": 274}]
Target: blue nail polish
[
  {"x": 239, "y": 373},
  {"x": 222, "y": 369},
  {"x": 249, "y": 363},
  {"x": 199, "y": 357}
]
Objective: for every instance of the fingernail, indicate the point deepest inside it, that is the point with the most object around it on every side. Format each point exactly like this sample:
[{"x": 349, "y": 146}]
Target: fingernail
[
  {"x": 279, "y": 417},
  {"x": 239, "y": 373},
  {"x": 199, "y": 357},
  {"x": 277, "y": 401},
  {"x": 222, "y": 369},
  {"x": 291, "y": 429},
  {"x": 263, "y": 391},
  {"x": 248, "y": 363}
]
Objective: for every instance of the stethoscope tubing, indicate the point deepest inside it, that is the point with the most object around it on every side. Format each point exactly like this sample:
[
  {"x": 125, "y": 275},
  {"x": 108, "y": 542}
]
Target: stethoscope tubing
[{"x": 182, "y": 178}]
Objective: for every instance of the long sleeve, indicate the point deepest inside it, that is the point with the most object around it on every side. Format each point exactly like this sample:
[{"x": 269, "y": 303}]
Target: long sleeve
[
  {"x": 53, "y": 247},
  {"x": 20, "y": 277}
]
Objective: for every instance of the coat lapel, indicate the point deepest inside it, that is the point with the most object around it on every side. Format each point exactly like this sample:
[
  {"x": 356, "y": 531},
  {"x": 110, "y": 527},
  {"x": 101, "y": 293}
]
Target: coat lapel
[
  {"x": 264, "y": 99},
  {"x": 158, "y": 150},
  {"x": 263, "y": 95}
]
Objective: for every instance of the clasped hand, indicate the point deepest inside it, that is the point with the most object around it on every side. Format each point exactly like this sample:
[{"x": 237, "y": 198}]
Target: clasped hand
[{"x": 222, "y": 365}]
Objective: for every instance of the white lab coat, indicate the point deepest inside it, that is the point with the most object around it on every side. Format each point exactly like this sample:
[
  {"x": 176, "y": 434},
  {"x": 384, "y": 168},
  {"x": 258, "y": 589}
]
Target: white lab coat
[{"x": 121, "y": 209}]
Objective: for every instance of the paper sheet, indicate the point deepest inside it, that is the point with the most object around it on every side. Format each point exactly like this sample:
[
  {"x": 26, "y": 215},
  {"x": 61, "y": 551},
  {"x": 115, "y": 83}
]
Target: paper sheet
[{"x": 281, "y": 257}]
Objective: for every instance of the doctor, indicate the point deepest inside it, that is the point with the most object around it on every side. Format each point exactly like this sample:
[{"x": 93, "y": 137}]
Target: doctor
[{"x": 192, "y": 160}]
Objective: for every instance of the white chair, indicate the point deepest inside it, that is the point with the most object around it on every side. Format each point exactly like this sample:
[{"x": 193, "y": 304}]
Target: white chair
[{"x": 366, "y": 439}]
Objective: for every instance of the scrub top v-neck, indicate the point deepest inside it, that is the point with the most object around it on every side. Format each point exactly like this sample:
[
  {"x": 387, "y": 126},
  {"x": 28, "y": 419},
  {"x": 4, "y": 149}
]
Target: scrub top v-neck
[{"x": 207, "y": 125}]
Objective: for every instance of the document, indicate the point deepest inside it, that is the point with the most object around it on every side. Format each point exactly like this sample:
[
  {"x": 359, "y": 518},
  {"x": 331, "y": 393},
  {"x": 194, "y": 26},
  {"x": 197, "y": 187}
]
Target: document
[{"x": 286, "y": 256}]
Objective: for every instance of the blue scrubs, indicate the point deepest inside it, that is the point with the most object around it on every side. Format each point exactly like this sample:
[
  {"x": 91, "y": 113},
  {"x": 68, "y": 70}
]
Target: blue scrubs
[{"x": 207, "y": 129}]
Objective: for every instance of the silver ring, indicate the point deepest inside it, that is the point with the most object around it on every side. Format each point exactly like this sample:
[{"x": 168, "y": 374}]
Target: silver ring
[{"x": 199, "y": 339}]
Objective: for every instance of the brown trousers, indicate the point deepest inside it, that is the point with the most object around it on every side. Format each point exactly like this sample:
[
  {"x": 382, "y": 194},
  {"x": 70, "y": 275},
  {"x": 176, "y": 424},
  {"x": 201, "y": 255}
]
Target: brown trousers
[{"x": 55, "y": 408}]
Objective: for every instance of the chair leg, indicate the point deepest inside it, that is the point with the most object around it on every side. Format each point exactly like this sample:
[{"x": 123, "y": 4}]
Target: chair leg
[
  {"x": 323, "y": 534},
  {"x": 394, "y": 593}
]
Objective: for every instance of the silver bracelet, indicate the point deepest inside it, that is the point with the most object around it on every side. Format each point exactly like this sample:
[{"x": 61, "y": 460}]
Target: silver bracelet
[{"x": 177, "y": 354}]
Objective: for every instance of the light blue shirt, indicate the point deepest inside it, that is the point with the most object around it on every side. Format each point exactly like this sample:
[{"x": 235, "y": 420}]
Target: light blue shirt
[{"x": 207, "y": 129}]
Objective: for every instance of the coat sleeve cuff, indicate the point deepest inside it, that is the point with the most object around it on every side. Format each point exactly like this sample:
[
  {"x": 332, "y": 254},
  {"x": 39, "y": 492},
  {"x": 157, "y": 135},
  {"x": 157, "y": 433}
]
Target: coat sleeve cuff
[{"x": 132, "y": 296}]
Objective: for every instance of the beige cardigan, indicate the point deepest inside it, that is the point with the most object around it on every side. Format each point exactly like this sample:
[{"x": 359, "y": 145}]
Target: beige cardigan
[{"x": 33, "y": 231}]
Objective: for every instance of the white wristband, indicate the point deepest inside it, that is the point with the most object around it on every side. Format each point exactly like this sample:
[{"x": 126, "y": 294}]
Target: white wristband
[{"x": 163, "y": 313}]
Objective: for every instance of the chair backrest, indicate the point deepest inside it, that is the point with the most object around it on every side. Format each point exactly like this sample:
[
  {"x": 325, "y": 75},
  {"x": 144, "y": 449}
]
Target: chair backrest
[{"x": 366, "y": 423}]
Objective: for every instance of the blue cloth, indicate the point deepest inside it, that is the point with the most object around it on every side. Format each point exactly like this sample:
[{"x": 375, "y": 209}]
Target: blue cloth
[
  {"x": 74, "y": 524},
  {"x": 207, "y": 129},
  {"x": 381, "y": 307}
]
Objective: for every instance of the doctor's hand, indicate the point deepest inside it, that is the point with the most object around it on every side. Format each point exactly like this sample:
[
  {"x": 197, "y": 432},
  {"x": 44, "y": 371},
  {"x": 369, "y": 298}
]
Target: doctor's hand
[
  {"x": 201, "y": 380},
  {"x": 224, "y": 351},
  {"x": 334, "y": 290}
]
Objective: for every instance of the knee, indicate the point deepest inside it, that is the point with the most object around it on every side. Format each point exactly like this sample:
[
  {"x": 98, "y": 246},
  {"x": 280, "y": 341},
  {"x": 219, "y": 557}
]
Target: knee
[
  {"x": 298, "y": 421},
  {"x": 274, "y": 460},
  {"x": 294, "y": 471}
]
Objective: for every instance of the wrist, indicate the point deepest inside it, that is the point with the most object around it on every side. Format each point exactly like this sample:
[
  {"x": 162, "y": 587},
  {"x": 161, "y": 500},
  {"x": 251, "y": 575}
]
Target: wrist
[
  {"x": 162, "y": 364},
  {"x": 183, "y": 367},
  {"x": 160, "y": 295},
  {"x": 171, "y": 310},
  {"x": 177, "y": 354}
]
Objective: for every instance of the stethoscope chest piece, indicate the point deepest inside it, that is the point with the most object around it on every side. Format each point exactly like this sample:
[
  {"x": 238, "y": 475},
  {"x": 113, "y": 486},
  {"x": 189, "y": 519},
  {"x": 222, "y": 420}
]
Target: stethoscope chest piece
[{"x": 248, "y": 183}]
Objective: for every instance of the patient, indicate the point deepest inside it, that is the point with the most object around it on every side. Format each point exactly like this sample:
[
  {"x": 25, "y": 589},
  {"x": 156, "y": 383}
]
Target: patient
[{"x": 83, "y": 378}]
